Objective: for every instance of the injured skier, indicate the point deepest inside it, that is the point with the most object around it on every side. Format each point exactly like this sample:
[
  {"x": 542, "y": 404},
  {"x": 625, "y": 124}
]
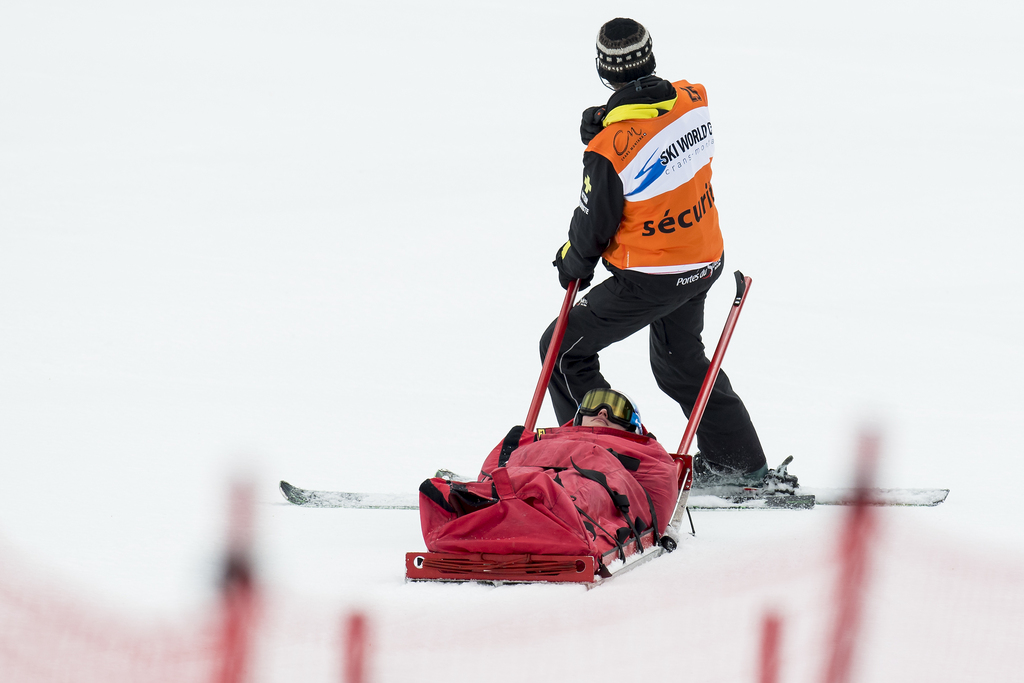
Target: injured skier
[{"x": 584, "y": 488}]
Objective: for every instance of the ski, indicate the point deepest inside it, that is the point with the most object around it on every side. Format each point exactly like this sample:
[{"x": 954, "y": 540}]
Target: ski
[
  {"x": 700, "y": 499},
  {"x": 877, "y": 496},
  {"x": 342, "y": 499},
  {"x": 809, "y": 496}
]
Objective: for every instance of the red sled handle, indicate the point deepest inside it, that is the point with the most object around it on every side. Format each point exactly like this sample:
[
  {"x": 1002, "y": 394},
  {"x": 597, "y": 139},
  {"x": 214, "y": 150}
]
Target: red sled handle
[
  {"x": 549, "y": 359},
  {"x": 742, "y": 288}
]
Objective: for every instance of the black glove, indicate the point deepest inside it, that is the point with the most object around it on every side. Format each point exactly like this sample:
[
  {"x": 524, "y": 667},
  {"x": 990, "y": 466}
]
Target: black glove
[
  {"x": 591, "y": 124},
  {"x": 565, "y": 277}
]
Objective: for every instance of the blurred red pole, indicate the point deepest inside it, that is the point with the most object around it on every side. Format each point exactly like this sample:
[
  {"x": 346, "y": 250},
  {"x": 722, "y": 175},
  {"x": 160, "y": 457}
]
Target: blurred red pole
[
  {"x": 238, "y": 613},
  {"x": 853, "y": 571},
  {"x": 355, "y": 645},
  {"x": 238, "y": 594},
  {"x": 770, "y": 641}
]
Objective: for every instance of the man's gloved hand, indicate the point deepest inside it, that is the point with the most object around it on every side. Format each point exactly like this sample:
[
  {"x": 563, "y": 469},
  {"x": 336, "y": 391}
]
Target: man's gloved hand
[
  {"x": 566, "y": 273},
  {"x": 591, "y": 124}
]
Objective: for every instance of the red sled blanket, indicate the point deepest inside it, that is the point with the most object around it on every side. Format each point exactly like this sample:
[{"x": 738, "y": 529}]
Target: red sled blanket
[{"x": 565, "y": 491}]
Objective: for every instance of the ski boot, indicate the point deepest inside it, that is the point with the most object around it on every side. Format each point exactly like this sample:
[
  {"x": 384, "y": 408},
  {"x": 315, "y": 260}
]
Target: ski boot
[
  {"x": 716, "y": 480},
  {"x": 780, "y": 480},
  {"x": 709, "y": 475}
]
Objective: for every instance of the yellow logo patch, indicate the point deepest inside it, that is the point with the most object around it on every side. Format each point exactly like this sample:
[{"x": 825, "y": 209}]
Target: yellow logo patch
[{"x": 586, "y": 185}]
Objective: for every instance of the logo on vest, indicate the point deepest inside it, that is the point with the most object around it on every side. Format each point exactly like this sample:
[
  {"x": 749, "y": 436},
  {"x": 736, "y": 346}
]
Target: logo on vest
[
  {"x": 680, "y": 146},
  {"x": 584, "y": 199},
  {"x": 649, "y": 173},
  {"x": 668, "y": 222},
  {"x": 625, "y": 141},
  {"x": 680, "y": 150},
  {"x": 692, "y": 92}
]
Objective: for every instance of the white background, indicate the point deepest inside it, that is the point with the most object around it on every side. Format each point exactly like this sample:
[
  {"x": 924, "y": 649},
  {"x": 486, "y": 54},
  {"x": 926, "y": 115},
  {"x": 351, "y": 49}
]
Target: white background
[{"x": 312, "y": 241}]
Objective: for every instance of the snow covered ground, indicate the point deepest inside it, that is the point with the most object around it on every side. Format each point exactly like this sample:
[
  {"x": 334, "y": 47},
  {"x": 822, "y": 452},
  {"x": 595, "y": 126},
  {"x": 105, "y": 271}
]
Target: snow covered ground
[{"x": 312, "y": 241}]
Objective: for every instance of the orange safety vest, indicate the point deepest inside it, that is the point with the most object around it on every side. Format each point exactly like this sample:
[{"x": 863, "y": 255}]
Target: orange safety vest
[{"x": 669, "y": 219}]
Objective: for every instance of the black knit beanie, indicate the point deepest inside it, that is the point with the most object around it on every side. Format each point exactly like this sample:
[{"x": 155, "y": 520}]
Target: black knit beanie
[{"x": 624, "y": 51}]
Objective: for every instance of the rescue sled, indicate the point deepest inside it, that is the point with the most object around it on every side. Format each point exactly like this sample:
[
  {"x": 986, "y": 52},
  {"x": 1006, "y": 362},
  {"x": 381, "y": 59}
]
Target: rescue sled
[{"x": 591, "y": 568}]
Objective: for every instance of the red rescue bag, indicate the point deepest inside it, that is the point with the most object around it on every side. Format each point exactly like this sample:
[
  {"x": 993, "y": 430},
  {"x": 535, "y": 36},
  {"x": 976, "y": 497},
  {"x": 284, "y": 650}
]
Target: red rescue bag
[{"x": 567, "y": 491}]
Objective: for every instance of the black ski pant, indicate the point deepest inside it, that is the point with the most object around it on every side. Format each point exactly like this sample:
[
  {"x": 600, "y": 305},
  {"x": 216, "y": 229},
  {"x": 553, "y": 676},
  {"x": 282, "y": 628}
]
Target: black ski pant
[{"x": 673, "y": 307}]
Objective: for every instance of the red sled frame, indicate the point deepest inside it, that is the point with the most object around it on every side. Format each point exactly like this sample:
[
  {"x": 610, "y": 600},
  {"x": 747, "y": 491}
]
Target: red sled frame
[{"x": 501, "y": 568}]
